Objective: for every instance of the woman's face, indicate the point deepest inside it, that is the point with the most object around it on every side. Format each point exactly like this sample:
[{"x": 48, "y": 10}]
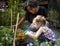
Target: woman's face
[{"x": 32, "y": 10}]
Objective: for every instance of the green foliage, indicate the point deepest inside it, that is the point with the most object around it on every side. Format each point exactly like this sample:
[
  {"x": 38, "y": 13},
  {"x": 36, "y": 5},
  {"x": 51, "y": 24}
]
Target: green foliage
[
  {"x": 5, "y": 16},
  {"x": 53, "y": 14},
  {"x": 45, "y": 44},
  {"x": 36, "y": 42},
  {"x": 6, "y": 36}
]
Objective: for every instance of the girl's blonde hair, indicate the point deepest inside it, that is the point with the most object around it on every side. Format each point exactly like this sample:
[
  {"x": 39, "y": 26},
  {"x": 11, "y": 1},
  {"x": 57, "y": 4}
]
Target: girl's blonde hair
[{"x": 40, "y": 19}]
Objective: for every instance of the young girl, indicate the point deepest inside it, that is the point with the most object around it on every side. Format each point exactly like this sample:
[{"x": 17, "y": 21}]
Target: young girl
[{"x": 43, "y": 33}]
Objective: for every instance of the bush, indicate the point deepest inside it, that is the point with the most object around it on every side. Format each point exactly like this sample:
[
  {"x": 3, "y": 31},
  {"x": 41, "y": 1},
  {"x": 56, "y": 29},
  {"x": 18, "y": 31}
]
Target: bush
[{"x": 6, "y": 36}]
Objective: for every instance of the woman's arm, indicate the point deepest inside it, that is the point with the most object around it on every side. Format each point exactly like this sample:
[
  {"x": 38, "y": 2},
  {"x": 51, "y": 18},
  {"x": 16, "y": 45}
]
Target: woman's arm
[{"x": 21, "y": 21}]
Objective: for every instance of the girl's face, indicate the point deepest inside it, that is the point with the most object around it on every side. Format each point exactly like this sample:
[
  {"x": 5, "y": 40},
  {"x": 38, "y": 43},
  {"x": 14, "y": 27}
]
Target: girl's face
[{"x": 37, "y": 25}]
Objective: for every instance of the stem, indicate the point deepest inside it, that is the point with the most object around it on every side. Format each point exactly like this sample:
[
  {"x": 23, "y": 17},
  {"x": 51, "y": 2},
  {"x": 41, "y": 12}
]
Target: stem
[
  {"x": 11, "y": 17},
  {"x": 15, "y": 30}
]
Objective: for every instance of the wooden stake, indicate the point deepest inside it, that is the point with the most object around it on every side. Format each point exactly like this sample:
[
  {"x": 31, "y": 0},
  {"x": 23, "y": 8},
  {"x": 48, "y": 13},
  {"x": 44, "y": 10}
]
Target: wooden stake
[{"x": 15, "y": 30}]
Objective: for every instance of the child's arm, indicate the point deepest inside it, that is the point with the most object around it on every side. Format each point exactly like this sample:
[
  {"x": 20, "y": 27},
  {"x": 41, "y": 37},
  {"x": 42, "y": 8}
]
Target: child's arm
[
  {"x": 34, "y": 36},
  {"x": 39, "y": 32},
  {"x": 30, "y": 35}
]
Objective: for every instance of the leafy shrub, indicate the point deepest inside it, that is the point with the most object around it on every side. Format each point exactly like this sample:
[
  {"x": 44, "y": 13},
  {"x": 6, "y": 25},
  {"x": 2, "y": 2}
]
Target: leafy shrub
[{"x": 6, "y": 36}]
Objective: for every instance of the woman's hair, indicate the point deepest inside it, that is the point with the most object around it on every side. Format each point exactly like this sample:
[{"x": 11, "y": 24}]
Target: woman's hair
[
  {"x": 31, "y": 4},
  {"x": 39, "y": 18}
]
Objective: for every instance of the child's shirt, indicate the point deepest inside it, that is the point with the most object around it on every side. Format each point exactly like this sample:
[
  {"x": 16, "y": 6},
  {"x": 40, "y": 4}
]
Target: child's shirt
[{"x": 49, "y": 34}]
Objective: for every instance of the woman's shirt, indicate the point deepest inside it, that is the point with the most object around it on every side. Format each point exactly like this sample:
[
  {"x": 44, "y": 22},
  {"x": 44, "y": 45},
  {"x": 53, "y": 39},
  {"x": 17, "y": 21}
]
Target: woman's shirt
[{"x": 42, "y": 11}]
